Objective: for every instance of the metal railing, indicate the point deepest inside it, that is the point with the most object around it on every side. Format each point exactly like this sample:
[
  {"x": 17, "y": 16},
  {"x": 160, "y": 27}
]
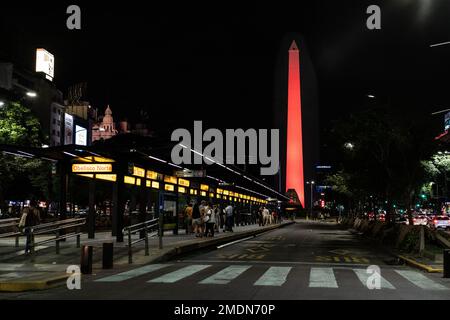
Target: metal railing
[
  {"x": 56, "y": 228},
  {"x": 145, "y": 227},
  {"x": 12, "y": 223}
]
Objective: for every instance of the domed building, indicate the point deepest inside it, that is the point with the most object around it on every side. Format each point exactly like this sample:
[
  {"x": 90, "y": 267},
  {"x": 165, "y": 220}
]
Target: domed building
[{"x": 105, "y": 129}]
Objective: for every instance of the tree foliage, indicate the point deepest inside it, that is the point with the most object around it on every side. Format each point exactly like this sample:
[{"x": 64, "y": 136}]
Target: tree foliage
[{"x": 21, "y": 178}]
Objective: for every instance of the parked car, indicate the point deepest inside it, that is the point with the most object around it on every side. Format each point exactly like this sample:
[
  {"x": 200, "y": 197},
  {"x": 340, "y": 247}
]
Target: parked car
[
  {"x": 439, "y": 222},
  {"x": 381, "y": 217}
]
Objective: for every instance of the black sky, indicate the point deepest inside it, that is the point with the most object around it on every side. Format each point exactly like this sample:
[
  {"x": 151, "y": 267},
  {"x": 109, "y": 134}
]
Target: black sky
[{"x": 217, "y": 63}]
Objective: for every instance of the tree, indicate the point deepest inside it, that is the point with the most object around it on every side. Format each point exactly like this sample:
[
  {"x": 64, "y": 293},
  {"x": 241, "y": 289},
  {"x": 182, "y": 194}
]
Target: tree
[
  {"x": 381, "y": 153},
  {"x": 21, "y": 178}
]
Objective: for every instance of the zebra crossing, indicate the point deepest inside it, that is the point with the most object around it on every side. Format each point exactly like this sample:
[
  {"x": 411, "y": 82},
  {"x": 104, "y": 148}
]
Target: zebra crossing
[{"x": 273, "y": 276}]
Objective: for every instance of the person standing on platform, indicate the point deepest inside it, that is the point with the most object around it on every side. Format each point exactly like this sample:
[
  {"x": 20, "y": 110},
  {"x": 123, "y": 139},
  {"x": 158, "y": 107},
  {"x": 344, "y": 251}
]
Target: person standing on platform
[
  {"x": 196, "y": 220},
  {"x": 188, "y": 217},
  {"x": 229, "y": 217}
]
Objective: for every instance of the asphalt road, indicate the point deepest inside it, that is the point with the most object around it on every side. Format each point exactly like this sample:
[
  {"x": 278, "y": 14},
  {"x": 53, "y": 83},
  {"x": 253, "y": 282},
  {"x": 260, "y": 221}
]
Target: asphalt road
[{"x": 308, "y": 260}]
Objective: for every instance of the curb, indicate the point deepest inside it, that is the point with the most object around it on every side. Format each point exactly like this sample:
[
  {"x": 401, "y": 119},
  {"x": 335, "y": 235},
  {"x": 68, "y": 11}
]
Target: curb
[
  {"x": 419, "y": 265},
  {"x": 180, "y": 250},
  {"x": 18, "y": 285}
]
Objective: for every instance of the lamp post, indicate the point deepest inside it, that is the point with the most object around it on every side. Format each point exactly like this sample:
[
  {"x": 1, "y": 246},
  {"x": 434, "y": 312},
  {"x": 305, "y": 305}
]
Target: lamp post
[{"x": 311, "y": 183}]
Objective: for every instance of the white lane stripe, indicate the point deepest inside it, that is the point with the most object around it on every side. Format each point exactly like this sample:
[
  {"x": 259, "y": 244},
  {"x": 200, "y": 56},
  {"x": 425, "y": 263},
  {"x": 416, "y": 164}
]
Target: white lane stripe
[
  {"x": 322, "y": 278},
  {"x": 133, "y": 273},
  {"x": 180, "y": 274},
  {"x": 420, "y": 280},
  {"x": 275, "y": 276},
  {"x": 364, "y": 276},
  {"x": 226, "y": 275}
]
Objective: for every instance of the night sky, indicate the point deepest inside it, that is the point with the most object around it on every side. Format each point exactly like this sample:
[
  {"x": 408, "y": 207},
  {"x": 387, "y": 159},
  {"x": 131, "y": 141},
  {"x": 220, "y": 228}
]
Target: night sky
[{"x": 217, "y": 63}]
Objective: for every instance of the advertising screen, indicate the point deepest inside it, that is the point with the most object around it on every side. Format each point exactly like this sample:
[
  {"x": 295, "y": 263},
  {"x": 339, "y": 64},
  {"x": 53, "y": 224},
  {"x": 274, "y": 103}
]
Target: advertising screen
[{"x": 80, "y": 136}]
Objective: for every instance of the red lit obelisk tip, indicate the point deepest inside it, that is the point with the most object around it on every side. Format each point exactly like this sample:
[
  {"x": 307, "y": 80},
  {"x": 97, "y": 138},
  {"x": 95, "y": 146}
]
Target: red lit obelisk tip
[{"x": 293, "y": 46}]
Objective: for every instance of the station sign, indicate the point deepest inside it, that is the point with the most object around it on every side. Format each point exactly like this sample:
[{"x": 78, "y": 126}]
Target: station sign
[{"x": 91, "y": 167}]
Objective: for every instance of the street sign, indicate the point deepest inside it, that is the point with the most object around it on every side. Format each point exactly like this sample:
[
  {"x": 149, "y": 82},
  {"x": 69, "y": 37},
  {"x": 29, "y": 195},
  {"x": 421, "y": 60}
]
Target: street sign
[{"x": 190, "y": 173}]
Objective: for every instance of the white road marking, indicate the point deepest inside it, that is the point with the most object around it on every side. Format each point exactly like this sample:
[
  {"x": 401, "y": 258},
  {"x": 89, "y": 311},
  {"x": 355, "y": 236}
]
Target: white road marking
[
  {"x": 420, "y": 280},
  {"x": 322, "y": 278},
  {"x": 226, "y": 275},
  {"x": 275, "y": 276},
  {"x": 364, "y": 276},
  {"x": 133, "y": 273},
  {"x": 180, "y": 274}
]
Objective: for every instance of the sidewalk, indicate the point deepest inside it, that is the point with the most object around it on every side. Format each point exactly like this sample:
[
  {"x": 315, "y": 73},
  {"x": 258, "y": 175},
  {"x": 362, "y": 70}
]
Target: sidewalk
[{"x": 46, "y": 268}]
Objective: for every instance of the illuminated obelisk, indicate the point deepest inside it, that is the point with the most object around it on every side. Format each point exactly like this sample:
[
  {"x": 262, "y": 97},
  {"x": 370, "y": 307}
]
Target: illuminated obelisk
[{"x": 294, "y": 156}]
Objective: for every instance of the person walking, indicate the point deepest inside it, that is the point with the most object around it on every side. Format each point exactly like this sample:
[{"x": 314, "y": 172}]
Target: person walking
[
  {"x": 229, "y": 217},
  {"x": 30, "y": 218}
]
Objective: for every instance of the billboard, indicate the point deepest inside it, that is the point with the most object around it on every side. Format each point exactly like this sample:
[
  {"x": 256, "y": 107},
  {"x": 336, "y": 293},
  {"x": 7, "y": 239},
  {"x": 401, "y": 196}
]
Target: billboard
[
  {"x": 68, "y": 129},
  {"x": 45, "y": 62},
  {"x": 80, "y": 136}
]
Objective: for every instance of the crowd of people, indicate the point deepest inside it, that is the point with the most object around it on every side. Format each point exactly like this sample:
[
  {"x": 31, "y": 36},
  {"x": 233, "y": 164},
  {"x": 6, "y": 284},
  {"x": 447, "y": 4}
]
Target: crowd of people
[{"x": 204, "y": 219}]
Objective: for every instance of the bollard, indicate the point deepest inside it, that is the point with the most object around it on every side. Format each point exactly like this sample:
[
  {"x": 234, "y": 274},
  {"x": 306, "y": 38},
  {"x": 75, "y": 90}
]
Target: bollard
[
  {"x": 86, "y": 260},
  {"x": 446, "y": 263},
  {"x": 108, "y": 253}
]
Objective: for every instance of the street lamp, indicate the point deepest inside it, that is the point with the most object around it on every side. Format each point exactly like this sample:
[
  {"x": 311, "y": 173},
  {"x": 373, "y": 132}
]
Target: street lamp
[
  {"x": 31, "y": 94},
  {"x": 311, "y": 183}
]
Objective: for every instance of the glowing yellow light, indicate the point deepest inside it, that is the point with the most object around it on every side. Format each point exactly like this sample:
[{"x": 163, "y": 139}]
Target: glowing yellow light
[
  {"x": 86, "y": 175},
  {"x": 129, "y": 180},
  {"x": 169, "y": 187},
  {"x": 152, "y": 175},
  {"x": 181, "y": 189},
  {"x": 107, "y": 177},
  {"x": 204, "y": 187},
  {"x": 226, "y": 192},
  {"x": 203, "y": 193},
  {"x": 184, "y": 182},
  {"x": 211, "y": 195},
  {"x": 138, "y": 172},
  {"x": 155, "y": 184},
  {"x": 219, "y": 191},
  {"x": 138, "y": 181},
  {"x": 170, "y": 179}
]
